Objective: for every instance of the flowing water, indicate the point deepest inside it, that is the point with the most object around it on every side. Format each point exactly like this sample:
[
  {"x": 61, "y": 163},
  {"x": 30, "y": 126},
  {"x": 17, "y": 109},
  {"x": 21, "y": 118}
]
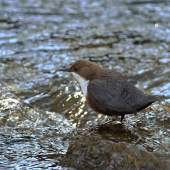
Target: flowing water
[{"x": 44, "y": 115}]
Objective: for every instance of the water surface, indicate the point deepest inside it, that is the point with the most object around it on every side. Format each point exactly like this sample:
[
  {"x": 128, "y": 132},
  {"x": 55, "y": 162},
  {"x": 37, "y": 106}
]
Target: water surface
[{"x": 41, "y": 109}]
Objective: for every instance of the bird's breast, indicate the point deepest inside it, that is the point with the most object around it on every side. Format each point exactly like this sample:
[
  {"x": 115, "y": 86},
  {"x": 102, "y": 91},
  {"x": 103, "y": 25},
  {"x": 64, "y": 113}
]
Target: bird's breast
[{"x": 83, "y": 82}]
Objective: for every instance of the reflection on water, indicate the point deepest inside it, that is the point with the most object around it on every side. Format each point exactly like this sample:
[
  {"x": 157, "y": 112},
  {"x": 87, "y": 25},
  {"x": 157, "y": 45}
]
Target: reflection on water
[{"x": 39, "y": 37}]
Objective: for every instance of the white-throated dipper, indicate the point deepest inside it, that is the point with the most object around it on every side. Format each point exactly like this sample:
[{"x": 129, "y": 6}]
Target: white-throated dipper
[{"x": 108, "y": 92}]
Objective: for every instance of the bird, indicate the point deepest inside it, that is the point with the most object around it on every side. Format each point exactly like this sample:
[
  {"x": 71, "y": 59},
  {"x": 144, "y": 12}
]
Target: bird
[{"x": 108, "y": 92}]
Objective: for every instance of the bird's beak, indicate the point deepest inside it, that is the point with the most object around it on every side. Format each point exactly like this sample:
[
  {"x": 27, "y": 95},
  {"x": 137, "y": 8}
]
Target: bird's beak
[{"x": 64, "y": 69}]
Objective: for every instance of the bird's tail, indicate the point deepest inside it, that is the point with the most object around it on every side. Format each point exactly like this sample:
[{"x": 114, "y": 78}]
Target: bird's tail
[
  {"x": 149, "y": 100},
  {"x": 159, "y": 98}
]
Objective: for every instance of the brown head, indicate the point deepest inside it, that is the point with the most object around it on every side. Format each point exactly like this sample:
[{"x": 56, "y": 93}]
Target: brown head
[{"x": 84, "y": 68}]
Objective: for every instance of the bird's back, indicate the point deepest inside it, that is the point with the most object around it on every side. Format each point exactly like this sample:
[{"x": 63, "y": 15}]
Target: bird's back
[{"x": 112, "y": 91}]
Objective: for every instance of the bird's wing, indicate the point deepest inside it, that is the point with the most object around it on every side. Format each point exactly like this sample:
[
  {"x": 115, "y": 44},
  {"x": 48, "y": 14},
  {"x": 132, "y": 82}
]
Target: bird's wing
[{"x": 108, "y": 98}]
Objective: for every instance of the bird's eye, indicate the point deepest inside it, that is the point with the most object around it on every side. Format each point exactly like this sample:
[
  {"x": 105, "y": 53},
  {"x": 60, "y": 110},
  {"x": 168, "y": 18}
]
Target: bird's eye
[{"x": 75, "y": 69}]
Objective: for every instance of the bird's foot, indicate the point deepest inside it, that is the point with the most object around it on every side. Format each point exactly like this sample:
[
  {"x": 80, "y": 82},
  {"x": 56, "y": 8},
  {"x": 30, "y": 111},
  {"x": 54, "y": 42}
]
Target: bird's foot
[
  {"x": 111, "y": 120},
  {"x": 96, "y": 127},
  {"x": 103, "y": 125}
]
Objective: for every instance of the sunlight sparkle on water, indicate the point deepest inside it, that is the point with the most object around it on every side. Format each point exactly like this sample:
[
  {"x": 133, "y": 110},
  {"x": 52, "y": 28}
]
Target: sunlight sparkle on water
[{"x": 156, "y": 25}]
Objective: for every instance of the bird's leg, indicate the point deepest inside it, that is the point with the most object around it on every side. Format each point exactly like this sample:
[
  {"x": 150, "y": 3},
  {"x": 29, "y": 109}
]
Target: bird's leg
[
  {"x": 102, "y": 126},
  {"x": 122, "y": 117},
  {"x": 114, "y": 117}
]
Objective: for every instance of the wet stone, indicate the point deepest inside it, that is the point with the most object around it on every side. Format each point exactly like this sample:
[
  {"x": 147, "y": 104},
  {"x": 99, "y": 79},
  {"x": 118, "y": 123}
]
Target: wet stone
[
  {"x": 35, "y": 136},
  {"x": 98, "y": 153}
]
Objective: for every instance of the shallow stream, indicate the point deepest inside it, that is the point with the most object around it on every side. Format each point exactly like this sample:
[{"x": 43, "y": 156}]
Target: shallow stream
[{"x": 43, "y": 113}]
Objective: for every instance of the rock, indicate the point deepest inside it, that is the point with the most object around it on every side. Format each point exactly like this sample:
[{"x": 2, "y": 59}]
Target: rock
[{"x": 89, "y": 150}]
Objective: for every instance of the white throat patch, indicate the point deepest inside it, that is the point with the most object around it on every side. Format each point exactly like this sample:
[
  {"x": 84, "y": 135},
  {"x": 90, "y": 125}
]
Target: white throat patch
[{"x": 83, "y": 82}]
